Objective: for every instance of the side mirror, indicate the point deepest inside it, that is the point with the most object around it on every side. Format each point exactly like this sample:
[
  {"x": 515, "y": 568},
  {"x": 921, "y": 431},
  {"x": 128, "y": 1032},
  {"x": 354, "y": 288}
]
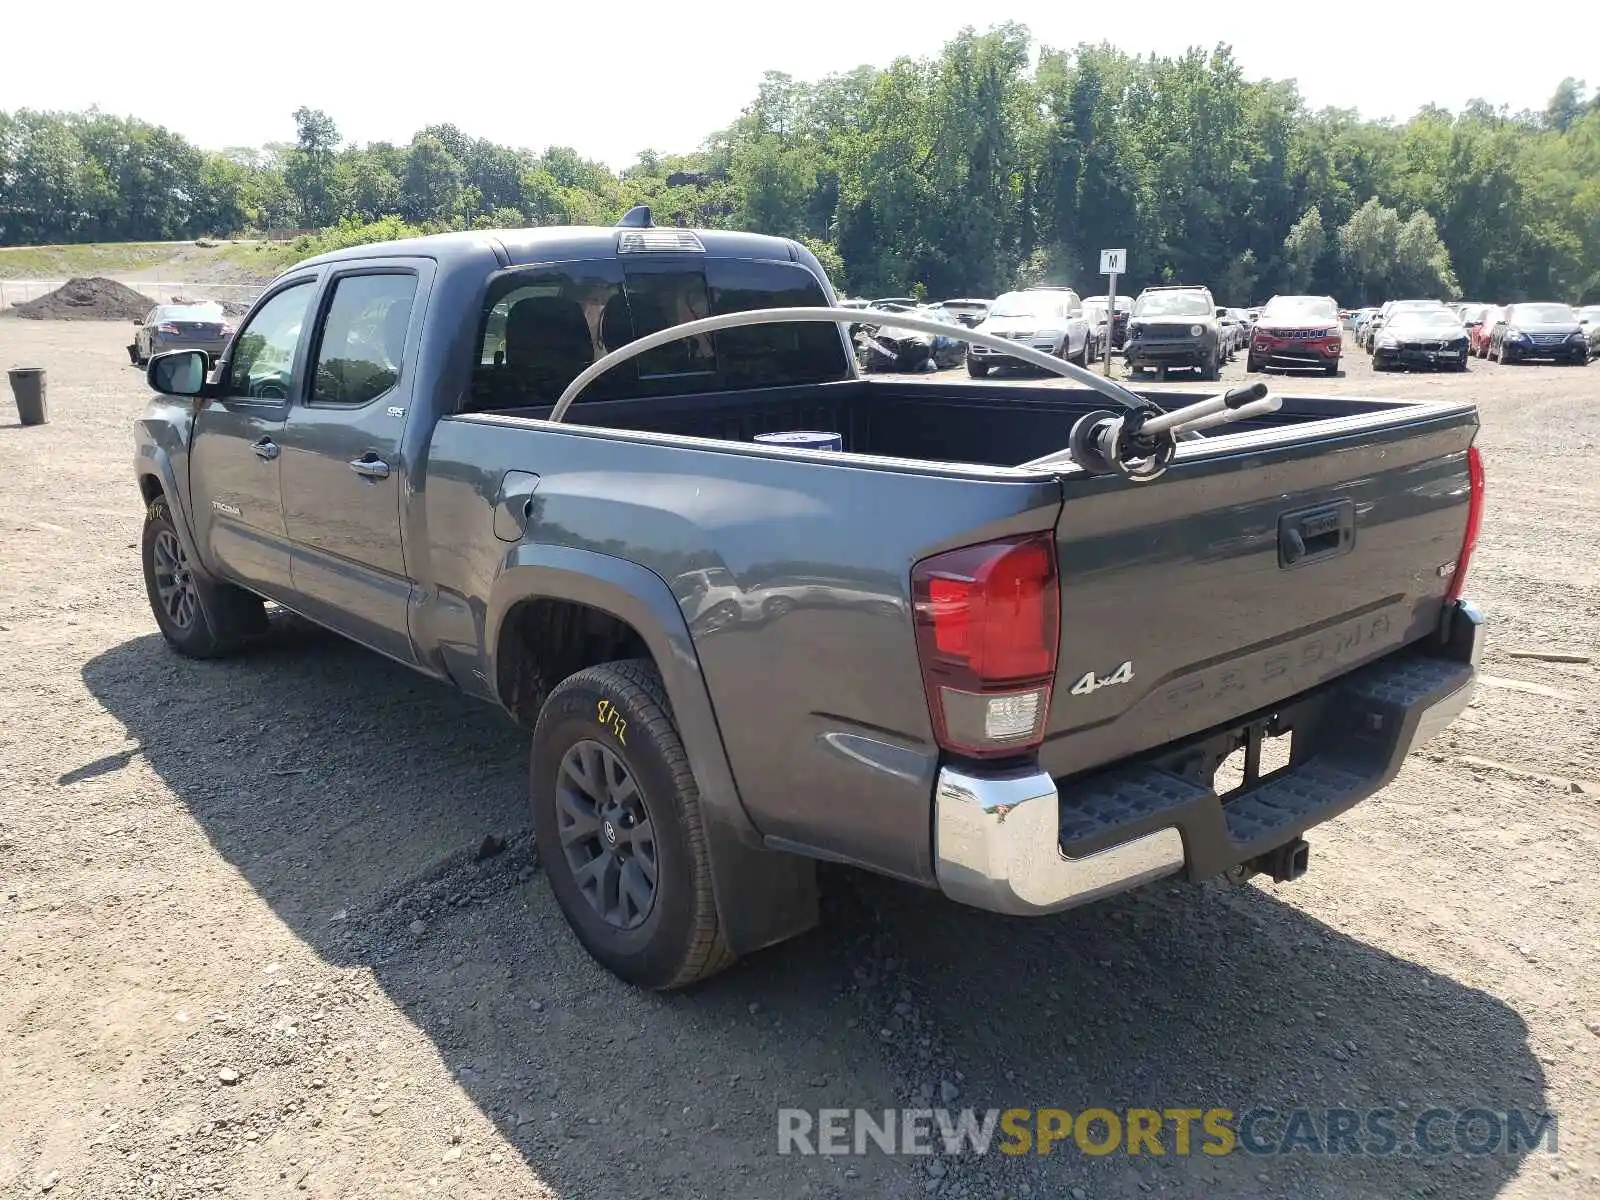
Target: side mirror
[
  {"x": 178, "y": 373},
  {"x": 138, "y": 320}
]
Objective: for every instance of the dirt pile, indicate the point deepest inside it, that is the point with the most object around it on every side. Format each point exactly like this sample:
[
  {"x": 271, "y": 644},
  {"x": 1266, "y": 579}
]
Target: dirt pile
[{"x": 87, "y": 300}]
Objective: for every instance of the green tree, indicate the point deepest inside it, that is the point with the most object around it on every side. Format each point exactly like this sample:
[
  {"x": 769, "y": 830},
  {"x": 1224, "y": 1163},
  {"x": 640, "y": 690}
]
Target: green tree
[
  {"x": 431, "y": 192},
  {"x": 312, "y": 169},
  {"x": 1367, "y": 243},
  {"x": 1303, "y": 248}
]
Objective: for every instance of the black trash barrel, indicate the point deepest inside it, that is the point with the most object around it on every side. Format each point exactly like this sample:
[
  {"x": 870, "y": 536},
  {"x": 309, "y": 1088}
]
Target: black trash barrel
[{"x": 27, "y": 386}]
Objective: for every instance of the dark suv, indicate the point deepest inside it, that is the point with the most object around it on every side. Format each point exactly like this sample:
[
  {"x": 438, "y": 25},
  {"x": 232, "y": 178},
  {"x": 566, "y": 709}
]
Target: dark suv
[{"x": 1175, "y": 327}]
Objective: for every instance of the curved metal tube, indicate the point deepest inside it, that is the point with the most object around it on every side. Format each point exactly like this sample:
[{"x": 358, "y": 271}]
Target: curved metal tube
[{"x": 843, "y": 316}]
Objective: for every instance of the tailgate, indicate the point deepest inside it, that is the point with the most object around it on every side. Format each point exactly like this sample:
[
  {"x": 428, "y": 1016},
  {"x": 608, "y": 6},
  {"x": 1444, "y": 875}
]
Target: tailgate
[{"x": 1261, "y": 564}]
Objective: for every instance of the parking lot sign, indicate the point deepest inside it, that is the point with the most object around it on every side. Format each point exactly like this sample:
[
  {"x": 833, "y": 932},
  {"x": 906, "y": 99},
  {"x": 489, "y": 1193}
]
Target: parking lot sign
[{"x": 1112, "y": 263}]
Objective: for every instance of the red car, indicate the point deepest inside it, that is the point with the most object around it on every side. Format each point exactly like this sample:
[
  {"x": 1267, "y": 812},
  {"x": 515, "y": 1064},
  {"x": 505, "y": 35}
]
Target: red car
[
  {"x": 1480, "y": 320},
  {"x": 1297, "y": 331}
]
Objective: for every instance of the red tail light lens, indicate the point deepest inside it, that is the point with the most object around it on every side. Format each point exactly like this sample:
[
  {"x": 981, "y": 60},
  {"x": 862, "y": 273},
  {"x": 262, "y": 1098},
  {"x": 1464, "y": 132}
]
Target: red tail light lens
[
  {"x": 166, "y": 327},
  {"x": 1469, "y": 540},
  {"x": 988, "y": 627}
]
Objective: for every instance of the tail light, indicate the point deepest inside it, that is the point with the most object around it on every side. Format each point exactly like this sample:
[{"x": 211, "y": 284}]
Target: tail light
[
  {"x": 167, "y": 327},
  {"x": 1469, "y": 540},
  {"x": 226, "y": 331},
  {"x": 988, "y": 623}
]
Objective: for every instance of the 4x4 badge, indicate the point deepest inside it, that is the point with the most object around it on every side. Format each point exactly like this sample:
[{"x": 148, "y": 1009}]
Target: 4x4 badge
[{"x": 1093, "y": 683}]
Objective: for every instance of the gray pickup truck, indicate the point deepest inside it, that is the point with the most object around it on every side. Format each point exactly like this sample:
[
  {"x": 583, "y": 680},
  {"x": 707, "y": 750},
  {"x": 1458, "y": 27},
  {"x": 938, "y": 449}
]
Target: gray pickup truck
[{"x": 958, "y": 651}]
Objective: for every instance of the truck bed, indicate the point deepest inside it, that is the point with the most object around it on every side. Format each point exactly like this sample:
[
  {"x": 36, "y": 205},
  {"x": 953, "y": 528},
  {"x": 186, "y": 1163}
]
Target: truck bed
[
  {"x": 1181, "y": 614},
  {"x": 994, "y": 424}
]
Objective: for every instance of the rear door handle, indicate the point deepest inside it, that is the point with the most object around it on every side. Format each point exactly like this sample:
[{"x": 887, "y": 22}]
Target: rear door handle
[
  {"x": 370, "y": 466},
  {"x": 266, "y": 449}
]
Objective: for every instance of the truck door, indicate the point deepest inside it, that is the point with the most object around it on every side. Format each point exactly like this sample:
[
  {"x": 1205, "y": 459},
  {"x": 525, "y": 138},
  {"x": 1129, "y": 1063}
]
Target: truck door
[
  {"x": 234, "y": 462},
  {"x": 344, "y": 467}
]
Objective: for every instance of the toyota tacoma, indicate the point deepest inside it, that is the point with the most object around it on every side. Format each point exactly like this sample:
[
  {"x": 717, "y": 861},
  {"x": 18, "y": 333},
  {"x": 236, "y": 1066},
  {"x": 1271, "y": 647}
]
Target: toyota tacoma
[{"x": 1030, "y": 646}]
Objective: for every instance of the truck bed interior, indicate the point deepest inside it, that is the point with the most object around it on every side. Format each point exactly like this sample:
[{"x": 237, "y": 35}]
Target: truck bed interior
[{"x": 993, "y": 424}]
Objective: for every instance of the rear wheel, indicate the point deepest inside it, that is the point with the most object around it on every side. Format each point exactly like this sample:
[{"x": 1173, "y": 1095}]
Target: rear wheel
[
  {"x": 616, "y": 817},
  {"x": 975, "y": 368},
  {"x": 199, "y": 618}
]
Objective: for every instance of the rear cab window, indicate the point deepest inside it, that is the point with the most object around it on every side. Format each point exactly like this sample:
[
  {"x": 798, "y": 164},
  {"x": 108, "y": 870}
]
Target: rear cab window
[{"x": 542, "y": 325}]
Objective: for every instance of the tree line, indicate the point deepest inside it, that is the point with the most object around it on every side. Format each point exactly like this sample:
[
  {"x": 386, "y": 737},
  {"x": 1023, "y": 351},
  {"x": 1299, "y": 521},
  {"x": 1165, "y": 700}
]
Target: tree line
[{"x": 964, "y": 173}]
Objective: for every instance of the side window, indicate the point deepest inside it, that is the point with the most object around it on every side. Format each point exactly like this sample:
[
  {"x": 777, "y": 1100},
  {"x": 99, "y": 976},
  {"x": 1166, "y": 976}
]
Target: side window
[
  {"x": 363, "y": 338},
  {"x": 263, "y": 354}
]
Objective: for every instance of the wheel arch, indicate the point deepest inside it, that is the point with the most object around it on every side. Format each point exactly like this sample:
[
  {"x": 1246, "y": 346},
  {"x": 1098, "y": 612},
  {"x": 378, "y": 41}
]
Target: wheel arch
[{"x": 555, "y": 610}]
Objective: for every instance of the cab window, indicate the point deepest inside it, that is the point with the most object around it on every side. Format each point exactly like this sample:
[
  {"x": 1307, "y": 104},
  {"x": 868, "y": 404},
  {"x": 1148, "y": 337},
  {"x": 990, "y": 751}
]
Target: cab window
[
  {"x": 363, "y": 338},
  {"x": 262, "y": 366}
]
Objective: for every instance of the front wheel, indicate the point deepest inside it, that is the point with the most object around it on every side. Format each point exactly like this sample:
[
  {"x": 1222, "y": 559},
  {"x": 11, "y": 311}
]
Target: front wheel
[
  {"x": 1211, "y": 369},
  {"x": 199, "y": 618},
  {"x": 1252, "y": 364},
  {"x": 616, "y": 818},
  {"x": 977, "y": 370},
  {"x": 1080, "y": 359}
]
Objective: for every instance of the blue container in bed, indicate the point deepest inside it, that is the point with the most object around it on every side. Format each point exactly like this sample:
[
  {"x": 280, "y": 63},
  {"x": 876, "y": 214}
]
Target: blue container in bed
[{"x": 803, "y": 440}]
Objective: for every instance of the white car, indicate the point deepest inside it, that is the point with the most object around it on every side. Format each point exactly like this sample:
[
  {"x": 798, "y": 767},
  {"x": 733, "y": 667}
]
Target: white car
[{"x": 1047, "y": 319}]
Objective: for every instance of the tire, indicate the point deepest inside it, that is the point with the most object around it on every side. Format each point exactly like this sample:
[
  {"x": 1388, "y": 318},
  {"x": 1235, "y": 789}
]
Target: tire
[
  {"x": 1211, "y": 369},
  {"x": 606, "y": 716},
  {"x": 1252, "y": 364},
  {"x": 1080, "y": 359},
  {"x": 1330, "y": 369},
  {"x": 198, "y": 618},
  {"x": 978, "y": 370}
]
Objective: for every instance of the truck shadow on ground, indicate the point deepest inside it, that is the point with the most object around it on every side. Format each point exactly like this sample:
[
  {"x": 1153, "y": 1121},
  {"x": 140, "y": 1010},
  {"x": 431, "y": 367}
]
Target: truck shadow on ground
[{"x": 334, "y": 780}]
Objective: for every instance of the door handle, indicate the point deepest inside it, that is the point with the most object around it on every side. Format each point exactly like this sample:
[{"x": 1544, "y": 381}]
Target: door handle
[
  {"x": 266, "y": 449},
  {"x": 370, "y": 466}
]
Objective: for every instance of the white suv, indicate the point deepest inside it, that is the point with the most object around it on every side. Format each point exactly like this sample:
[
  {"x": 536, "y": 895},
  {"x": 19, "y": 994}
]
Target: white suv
[{"x": 1048, "y": 319}]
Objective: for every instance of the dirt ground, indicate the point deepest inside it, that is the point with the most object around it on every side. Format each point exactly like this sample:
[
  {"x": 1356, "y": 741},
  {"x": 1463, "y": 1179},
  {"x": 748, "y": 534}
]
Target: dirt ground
[{"x": 246, "y": 947}]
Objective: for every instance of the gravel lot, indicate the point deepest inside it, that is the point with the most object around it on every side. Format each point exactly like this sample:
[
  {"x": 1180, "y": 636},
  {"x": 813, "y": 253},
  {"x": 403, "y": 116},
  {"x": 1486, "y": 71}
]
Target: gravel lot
[{"x": 247, "y": 947}]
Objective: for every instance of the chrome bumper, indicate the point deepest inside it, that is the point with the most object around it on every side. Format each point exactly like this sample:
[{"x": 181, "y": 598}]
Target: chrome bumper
[{"x": 995, "y": 839}]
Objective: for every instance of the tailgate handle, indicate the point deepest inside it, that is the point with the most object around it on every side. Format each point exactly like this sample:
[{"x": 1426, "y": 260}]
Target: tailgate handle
[{"x": 1312, "y": 534}]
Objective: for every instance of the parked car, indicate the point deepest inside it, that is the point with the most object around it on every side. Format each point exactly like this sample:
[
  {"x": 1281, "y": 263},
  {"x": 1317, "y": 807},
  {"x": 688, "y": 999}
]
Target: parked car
[
  {"x": 165, "y": 327},
  {"x": 1392, "y": 307},
  {"x": 424, "y": 493},
  {"x": 1479, "y": 335},
  {"x": 1048, "y": 319},
  {"x": 1119, "y": 323},
  {"x": 1421, "y": 337},
  {"x": 1231, "y": 331},
  {"x": 1531, "y": 331},
  {"x": 1358, "y": 322},
  {"x": 1247, "y": 324},
  {"x": 1297, "y": 331},
  {"x": 1175, "y": 326},
  {"x": 1589, "y": 321},
  {"x": 1094, "y": 311},
  {"x": 1471, "y": 315},
  {"x": 969, "y": 312}
]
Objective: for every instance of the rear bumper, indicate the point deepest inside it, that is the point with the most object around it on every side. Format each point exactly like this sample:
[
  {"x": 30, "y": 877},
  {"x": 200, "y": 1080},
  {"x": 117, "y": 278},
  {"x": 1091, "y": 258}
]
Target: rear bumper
[
  {"x": 1016, "y": 843},
  {"x": 213, "y": 349}
]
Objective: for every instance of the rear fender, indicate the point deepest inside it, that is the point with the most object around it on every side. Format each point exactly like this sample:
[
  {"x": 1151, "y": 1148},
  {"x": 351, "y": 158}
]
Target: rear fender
[{"x": 762, "y": 897}]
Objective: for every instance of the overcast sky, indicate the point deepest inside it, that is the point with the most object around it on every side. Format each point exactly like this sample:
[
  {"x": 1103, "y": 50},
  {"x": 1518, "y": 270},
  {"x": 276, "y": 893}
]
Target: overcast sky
[{"x": 612, "y": 78}]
